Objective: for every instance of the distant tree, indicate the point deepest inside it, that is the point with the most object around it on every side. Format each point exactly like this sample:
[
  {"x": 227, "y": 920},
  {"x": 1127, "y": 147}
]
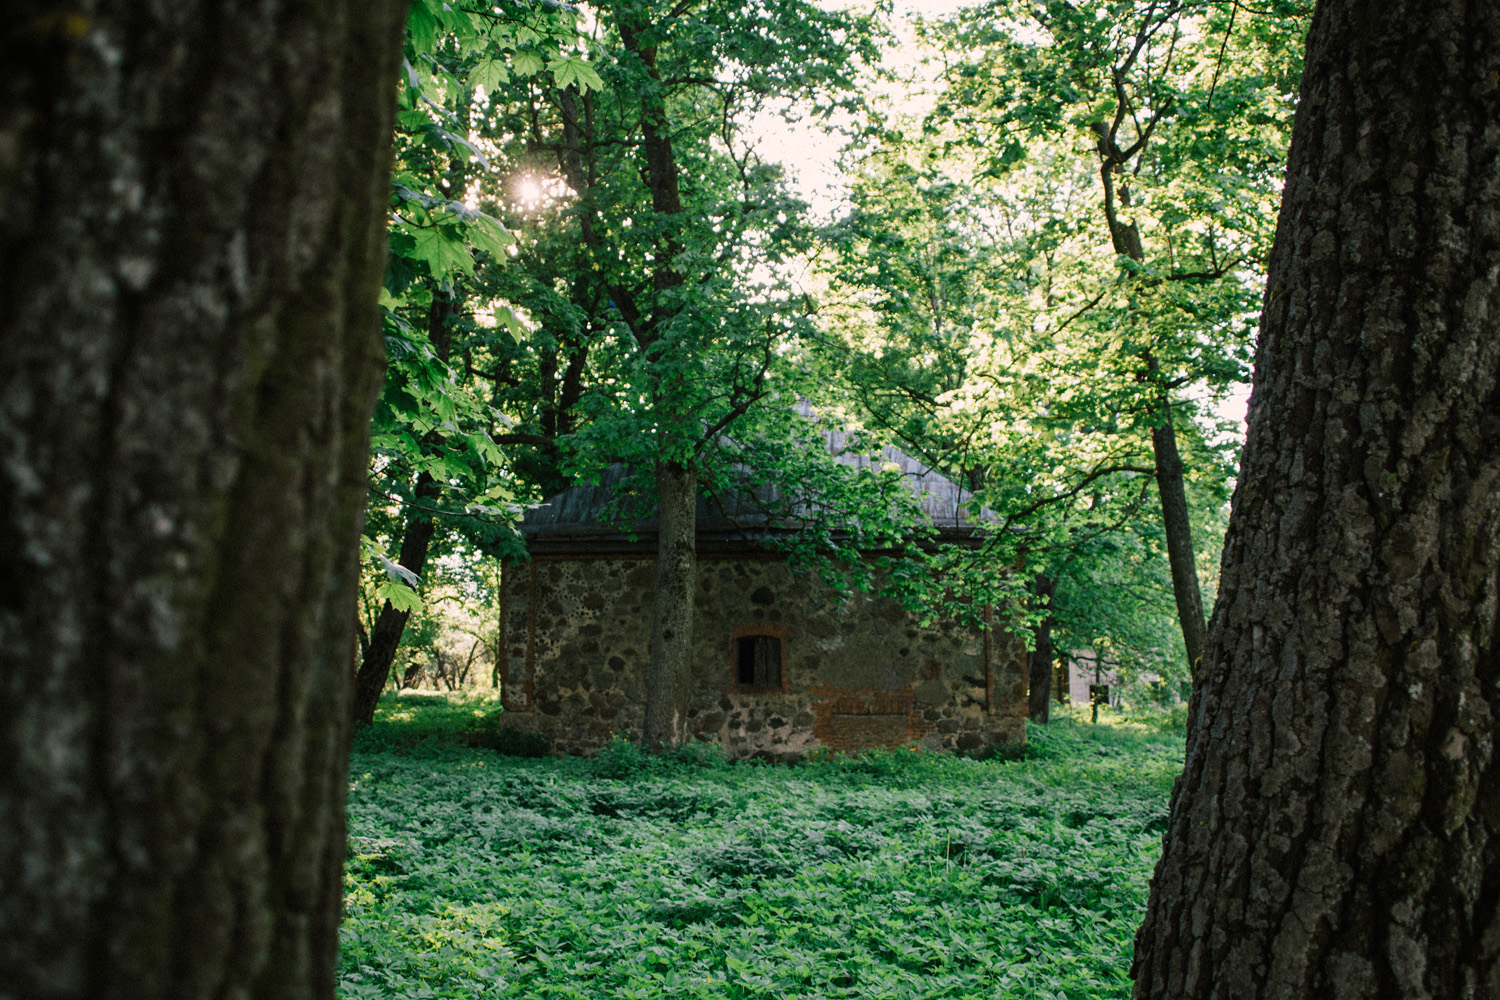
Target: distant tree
[
  {"x": 1040, "y": 659},
  {"x": 1336, "y": 832},
  {"x": 437, "y": 468},
  {"x": 1163, "y": 122},
  {"x": 191, "y": 244},
  {"x": 956, "y": 325},
  {"x": 648, "y": 259}
]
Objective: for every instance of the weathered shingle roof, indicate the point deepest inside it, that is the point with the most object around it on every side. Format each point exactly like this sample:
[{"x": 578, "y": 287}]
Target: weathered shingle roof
[
  {"x": 580, "y": 516},
  {"x": 942, "y": 500}
]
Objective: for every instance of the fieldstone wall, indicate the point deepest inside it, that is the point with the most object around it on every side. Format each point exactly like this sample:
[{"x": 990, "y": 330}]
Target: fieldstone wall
[{"x": 857, "y": 671}]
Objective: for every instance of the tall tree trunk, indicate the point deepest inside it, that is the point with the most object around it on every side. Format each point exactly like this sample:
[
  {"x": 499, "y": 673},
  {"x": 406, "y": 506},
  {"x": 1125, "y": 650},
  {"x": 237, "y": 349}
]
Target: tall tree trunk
[
  {"x": 1336, "y": 832},
  {"x": 669, "y": 675},
  {"x": 390, "y": 624},
  {"x": 1179, "y": 532},
  {"x": 191, "y": 243},
  {"x": 1040, "y": 661},
  {"x": 1126, "y": 238},
  {"x": 385, "y": 637}
]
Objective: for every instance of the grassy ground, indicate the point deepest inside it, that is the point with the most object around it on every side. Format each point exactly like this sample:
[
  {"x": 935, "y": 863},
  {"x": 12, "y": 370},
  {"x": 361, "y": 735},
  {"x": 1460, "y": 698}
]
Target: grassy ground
[{"x": 894, "y": 875}]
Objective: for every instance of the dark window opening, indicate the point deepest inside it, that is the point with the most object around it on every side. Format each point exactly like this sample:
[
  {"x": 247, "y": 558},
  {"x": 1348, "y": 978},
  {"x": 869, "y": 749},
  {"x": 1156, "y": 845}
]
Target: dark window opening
[
  {"x": 758, "y": 661},
  {"x": 1099, "y": 694}
]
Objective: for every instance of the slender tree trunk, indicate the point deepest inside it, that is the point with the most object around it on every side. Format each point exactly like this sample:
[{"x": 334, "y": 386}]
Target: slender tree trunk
[
  {"x": 1126, "y": 238},
  {"x": 1336, "y": 832},
  {"x": 1040, "y": 661},
  {"x": 669, "y": 675},
  {"x": 390, "y": 624},
  {"x": 1179, "y": 532},
  {"x": 385, "y": 637},
  {"x": 191, "y": 243},
  {"x": 412, "y": 673}
]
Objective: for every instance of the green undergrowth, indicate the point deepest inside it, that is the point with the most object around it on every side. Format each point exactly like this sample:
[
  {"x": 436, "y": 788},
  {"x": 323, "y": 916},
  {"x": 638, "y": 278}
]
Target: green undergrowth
[{"x": 899, "y": 874}]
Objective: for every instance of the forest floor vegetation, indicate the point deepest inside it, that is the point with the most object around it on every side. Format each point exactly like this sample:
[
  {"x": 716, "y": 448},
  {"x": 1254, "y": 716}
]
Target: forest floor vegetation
[{"x": 895, "y": 874}]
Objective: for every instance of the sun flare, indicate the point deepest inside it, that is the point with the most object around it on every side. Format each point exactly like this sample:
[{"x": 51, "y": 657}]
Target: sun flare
[{"x": 529, "y": 192}]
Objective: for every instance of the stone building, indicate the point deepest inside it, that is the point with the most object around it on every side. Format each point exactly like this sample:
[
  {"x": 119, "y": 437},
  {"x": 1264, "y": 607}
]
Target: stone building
[{"x": 782, "y": 663}]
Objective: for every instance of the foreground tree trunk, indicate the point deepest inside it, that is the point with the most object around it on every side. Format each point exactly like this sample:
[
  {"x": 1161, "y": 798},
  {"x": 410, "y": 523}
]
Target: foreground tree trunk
[
  {"x": 1336, "y": 832},
  {"x": 191, "y": 241},
  {"x": 669, "y": 675}
]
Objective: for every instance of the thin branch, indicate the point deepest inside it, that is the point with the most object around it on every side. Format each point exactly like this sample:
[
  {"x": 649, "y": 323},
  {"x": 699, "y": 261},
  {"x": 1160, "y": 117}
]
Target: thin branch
[
  {"x": 1219, "y": 63},
  {"x": 1096, "y": 474},
  {"x": 1126, "y": 514}
]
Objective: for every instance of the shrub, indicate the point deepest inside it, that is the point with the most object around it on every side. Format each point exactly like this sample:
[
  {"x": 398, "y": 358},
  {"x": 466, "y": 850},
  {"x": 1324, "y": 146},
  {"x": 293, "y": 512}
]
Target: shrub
[
  {"x": 705, "y": 754},
  {"x": 621, "y": 758}
]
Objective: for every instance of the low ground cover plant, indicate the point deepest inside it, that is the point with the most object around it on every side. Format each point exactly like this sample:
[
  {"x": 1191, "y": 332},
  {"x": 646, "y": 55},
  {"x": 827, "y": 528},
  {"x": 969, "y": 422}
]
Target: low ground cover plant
[{"x": 896, "y": 874}]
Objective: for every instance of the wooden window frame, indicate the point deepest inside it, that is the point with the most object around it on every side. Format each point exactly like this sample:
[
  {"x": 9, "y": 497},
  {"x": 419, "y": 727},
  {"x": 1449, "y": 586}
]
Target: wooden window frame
[{"x": 778, "y": 632}]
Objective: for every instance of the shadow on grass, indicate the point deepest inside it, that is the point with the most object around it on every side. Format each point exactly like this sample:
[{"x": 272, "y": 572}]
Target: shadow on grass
[
  {"x": 426, "y": 720},
  {"x": 437, "y": 723}
]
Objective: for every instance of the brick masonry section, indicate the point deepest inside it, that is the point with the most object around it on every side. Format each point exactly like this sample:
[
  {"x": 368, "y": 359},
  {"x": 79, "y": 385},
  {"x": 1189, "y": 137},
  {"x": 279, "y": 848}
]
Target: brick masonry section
[{"x": 858, "y": 671}]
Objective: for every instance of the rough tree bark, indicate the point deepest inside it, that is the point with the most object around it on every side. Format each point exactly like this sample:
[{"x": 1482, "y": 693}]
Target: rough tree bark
[
  {"x": 191, "y": 241},
  {"x": 1336, "y": 832}
]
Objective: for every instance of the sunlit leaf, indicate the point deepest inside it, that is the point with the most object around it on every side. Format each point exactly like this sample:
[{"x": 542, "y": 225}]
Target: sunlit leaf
[
  {"x": 402, "y": 597},
  {"x": 443, "y": 250},
  {"x": 489, "y": 74},
  {"x": 490, "y": 235},
  {"x": 527, "y": 62}
]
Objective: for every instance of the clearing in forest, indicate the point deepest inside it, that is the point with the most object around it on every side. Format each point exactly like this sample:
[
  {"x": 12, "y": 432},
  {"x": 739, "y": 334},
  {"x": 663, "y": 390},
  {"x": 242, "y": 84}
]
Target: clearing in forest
[{"x": 894, "y": 875}]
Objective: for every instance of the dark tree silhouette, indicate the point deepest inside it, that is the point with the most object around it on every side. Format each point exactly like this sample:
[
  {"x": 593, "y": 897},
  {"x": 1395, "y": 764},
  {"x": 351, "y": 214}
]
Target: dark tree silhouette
[{"x": 191, "y": 241}]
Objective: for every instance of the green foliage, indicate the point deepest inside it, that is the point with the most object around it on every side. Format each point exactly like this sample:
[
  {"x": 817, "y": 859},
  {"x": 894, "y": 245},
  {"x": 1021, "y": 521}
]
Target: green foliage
[
  {"x": 1127, "y": 730},
  {"x": 492, "y": 734},
  {"x": 433, "y": 441},
  {"x": 553, "y": 304},
  {"x": 450, "y": 636},
  {"x": 899, "y": 875},
  {"x": 655, "y": 242},
  {"x": 622, "y": 757},
  {"x": 840, "y": 512},
  {"x": 1063, "y": 254},
  {"x": 412, "y": 721},
  {"x": 705, "y": 755}
]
